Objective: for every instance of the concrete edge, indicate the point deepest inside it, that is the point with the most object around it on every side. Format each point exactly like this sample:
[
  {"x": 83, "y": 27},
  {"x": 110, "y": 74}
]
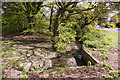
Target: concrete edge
[{"x": 92, "y": 57}]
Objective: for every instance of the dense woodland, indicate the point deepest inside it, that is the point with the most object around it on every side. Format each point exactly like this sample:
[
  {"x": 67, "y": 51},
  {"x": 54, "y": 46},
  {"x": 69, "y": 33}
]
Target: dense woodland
[{"x": 63, "y": 22}]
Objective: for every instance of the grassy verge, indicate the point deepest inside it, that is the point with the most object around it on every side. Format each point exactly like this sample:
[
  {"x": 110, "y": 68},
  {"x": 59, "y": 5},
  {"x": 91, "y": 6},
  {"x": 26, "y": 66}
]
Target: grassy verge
[{"x": 100, "y": 38}]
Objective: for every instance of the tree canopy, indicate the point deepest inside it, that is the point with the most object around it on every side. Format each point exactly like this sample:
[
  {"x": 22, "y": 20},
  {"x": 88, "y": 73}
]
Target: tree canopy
[{"x": 66, "y": 20}]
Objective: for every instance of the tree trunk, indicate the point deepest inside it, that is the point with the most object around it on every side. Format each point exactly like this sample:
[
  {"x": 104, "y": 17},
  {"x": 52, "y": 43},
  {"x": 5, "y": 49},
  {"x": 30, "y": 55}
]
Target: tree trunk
[
  {"x": 55, "y": 29},
  {"x": 55, "y": 26},
  {"x": 55, "y": 32},
  {"x": 50, "y": 26},
  {"x": 31, "y": 21}
]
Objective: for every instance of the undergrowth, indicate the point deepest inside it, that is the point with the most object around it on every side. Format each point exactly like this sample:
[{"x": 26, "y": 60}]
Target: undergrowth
[{"x": 99, "y": 38}]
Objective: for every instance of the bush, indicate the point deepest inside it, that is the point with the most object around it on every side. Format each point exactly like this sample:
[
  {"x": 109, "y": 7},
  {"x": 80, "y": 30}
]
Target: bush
[
  {"x": 109, "y": 25},
  {"x": 13, "y": 23},
  {"x": 66, "y": 35}
]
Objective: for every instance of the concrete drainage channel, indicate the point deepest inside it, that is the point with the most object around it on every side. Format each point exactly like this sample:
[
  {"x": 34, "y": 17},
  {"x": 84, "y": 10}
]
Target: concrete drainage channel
[
  {"x": 83, "y": 57},
  {"x": 88, "y": 57},
  {"x": 79, "y": 57}
]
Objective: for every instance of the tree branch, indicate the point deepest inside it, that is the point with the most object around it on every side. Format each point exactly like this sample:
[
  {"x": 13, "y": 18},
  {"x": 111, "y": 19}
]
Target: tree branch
[
  {"x": 44, "y": 16},
  {"x": 79, "y": 11}
]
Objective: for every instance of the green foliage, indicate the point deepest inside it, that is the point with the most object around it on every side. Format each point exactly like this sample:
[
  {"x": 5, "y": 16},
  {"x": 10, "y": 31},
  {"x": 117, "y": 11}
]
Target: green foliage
[
  {"x": 66, "y": 34},
  {"x": 106, "y": 57},
  {"x": 13, "y": 23},
  {"x": 89, "y": 71},
  {"x": 21, "y": 68},
  {"x": 96, "y": 64},
  {"x": 82, "y": 25},
  {"x": 107, "y": 66},
  {"x": 114, "y": 74},
  {"x": 16, "y": 64},
  {"x": 98, "y": 38},
  {"x": 28, "y": 31},
  {"x": 87, "y": 33},
  {"x": 7, "y": 43},
  {"x": 41, "y": 22},
  {"x": 24, "y": 76},
  {"x": 13, "y": 20},
  {"x": 89, "y": 63},
  {"x": 116, "y": 18},
  {"x": 109, "y": 24},
  {"x": 36, "y": 69},
  {"x": 18, "y": 16},
  {"x": 3, "y": 71}
]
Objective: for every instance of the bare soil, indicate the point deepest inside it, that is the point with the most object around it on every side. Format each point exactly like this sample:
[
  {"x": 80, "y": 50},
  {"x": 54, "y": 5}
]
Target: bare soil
[
  {"x": 79, "y": 72},
  {"x": 112, "y": 57}
]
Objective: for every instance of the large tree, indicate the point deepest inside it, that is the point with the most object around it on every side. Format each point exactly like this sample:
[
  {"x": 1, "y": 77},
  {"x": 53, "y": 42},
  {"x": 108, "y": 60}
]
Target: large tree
[
  {"x": 76, "y": 16},
  {"x": 63, "y": 13}
]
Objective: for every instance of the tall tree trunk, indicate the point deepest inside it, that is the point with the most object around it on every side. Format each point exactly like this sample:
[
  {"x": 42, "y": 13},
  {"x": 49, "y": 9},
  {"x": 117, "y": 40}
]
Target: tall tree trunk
[
  {"x": 55, "y": 30},
  {"x": 31, "y": 21},
  {"x": 55, "y": 26},
  {"x": 50, "y": 26}
]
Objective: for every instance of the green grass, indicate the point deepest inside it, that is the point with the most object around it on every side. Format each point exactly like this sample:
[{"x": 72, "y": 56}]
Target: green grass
[
  {"x": 100, "y": 38},
  {"x": 7, "y": 43}
]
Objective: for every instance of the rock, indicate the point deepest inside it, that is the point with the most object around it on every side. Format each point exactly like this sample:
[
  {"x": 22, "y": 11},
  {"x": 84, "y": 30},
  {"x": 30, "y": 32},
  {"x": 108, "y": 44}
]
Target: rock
[
  {"x": 63, "y": 61},
  {"x": 37, "y": 64},
  {"x": 72, "y": 46},
  {"x": 47, "y": 64},
  {"x": 52, "y": 54},
  {"x": 59, "y": 62},
  {"x": 71, "y": 62},
  {"x": 28, "y": 55},
  {"x": 26, "y": 66},
  {"x": 38, "y": 60},
  {"x": 15, "y": 45}
]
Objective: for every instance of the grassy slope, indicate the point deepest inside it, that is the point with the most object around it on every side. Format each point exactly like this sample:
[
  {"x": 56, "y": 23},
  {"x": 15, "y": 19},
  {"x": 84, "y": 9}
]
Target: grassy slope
[{"x": 100, "y": 38}]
